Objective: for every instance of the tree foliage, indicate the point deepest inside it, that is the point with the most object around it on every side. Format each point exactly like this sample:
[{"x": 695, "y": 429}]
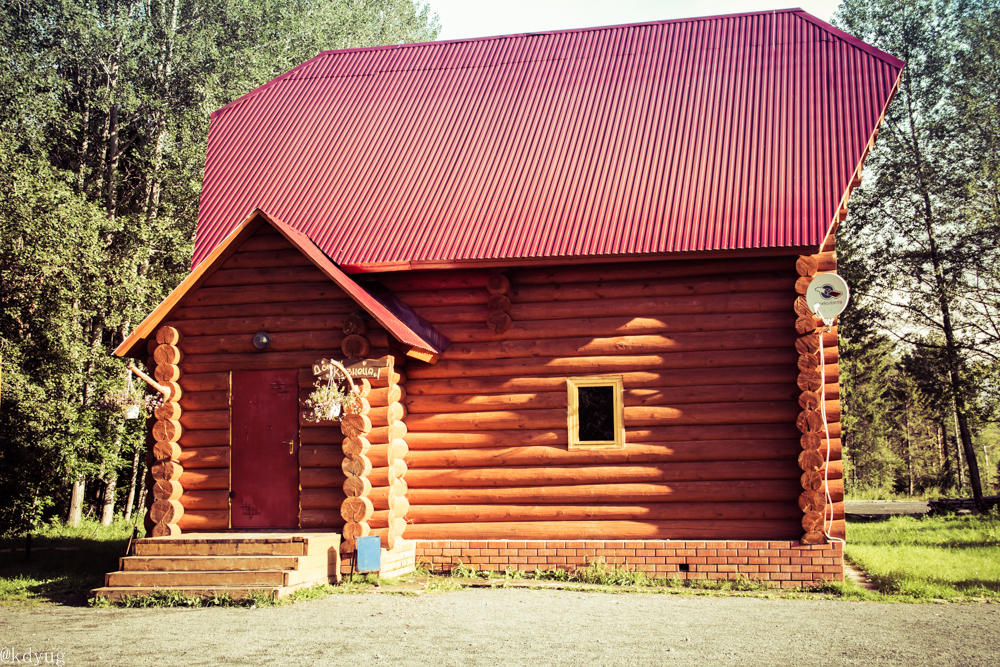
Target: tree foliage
[{"x": 102, "y": 149}]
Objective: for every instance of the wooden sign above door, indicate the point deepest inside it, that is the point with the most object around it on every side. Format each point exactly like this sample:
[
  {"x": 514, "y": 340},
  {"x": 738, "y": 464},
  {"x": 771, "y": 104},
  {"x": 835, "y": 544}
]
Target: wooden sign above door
[{"x": 357, "y": 368}]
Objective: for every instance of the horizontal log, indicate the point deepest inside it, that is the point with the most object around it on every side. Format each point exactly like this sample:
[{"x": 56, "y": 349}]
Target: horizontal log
[
  {"x": 320, "y": 456},
  {"x": 387, "y": 475},
  {"x": 710, "y": 414},
  {"x": 624, "y": 345},
  {"x": 837, "y": 529},
  {"x": 207, "y": 363},
  {"x": 608, "y": 530},
  {"x": 164, "y": 529},
  {"x": 291, "y": 341},
  {"x": 806, "y": 266},
  {"x": 205, "y": 457},
  {"x": 498, "y": 283},
  {"x": 267, "y": 258},
  {"x": 513, "y": 476},
  {"x": 356, "y": 510},
  {"x": 320, "y": 478},
  {"x": 202, "y": 479},
  {"x": 204, "y": 520},
  {"x": 167, "y": 373},
  {"x": 319, "y": 499},
  {"x": 166, "y": 511},
  {"x": 588, "y": 494},
  {"x": 651, "y": 270},
  {"x": 216, "y": 499},
  {"x": 353, "y": 530},
  {"x": 598, "y": 365},
  {"x": 167, "y": 430},
  {"x": 205, "y": 400},
  {"x": 355, "y": 425},
  {"x": 622, "y": 325},
  {"x": 254, "y": 294},
  {"x": 320, "y": 435},
  {"x": 385, "y": 395},
  {"x": 383, "y": 434},
  {"x": 809, "y": 343},
  {"x": 265, "y": 276},
  {"x": 384, "y": 455},
  {"x": 205, "y": 420},
  {"x": 388, "y": 415},
  {"x": 638, "y": 512},
  {"x": 241, "y": 311},
  {"x": 357, "y": 465},
  {"x": 400, "y": 506},
  {"x": 384, "y": 497},
  {"x": 196, "y": 382},
  {"x": 321, "y": 518},
  {"x": 195, "y": 439},
  {"x": 251, "y": 324},
  {"x": 731, "y": 377},
  {"x": 721, "y": 450},
  {"x": 357, "y": 487},
  {"x": 266, "y": 238},
  {"x": 746, "y": 303}
]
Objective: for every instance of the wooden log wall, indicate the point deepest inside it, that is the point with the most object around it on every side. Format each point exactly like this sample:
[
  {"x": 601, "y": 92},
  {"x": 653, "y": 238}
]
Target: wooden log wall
[
  {"x": 267, "y": 285},
  {"x": 707, "y": 351},
  {"x": 167, "y": 512},
  {"x": 819, "y": 518}
]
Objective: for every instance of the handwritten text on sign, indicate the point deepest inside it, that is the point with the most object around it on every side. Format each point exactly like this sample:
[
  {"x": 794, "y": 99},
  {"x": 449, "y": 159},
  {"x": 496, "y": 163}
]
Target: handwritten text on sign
[{"x": 365, "y": 368}]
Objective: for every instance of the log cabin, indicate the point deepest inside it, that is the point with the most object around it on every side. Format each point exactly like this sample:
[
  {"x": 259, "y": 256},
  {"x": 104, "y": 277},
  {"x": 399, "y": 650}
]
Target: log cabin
[{"x": 567, "y": 270}]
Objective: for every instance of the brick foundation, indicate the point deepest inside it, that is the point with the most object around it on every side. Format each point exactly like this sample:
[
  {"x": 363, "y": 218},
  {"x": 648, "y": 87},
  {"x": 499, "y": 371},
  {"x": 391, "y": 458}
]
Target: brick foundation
[
  {"x": 786, "y": 564},
  {"x": 395, "y": 563}
]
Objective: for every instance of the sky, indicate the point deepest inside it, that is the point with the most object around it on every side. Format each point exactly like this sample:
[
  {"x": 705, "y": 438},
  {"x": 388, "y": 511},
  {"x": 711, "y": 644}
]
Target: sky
[{"x": 462, "y": 19}]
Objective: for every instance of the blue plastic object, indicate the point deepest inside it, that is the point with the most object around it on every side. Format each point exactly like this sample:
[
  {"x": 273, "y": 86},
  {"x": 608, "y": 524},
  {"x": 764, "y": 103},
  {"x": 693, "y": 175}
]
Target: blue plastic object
[{"x": 369, "y": 554}]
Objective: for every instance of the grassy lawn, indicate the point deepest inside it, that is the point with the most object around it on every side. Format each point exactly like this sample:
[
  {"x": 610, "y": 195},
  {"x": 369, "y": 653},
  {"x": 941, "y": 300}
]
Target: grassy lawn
[
  {"x": 930, "y": 557},
  {"x": 65, "y": 562}
]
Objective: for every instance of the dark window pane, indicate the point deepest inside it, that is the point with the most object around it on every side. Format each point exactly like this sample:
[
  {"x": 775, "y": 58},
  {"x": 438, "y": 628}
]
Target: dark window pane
[{"x": 597, "y": 413}]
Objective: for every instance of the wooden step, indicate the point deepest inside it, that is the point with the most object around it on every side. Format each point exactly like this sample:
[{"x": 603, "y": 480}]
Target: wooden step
[
  {"x": 197, "y": 545},
  {"x": 208, "y": 563},
  {"x": 172, "y": 580}
]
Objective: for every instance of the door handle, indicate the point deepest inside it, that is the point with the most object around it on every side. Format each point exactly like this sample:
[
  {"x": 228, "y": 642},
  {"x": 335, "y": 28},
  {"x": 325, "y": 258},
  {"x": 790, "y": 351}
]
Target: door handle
[{"x": 291, "y": 445}]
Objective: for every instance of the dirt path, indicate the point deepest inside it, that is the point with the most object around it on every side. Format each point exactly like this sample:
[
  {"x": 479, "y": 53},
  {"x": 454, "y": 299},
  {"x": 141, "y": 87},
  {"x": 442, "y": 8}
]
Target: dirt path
[{"x": 515, "y": 627}]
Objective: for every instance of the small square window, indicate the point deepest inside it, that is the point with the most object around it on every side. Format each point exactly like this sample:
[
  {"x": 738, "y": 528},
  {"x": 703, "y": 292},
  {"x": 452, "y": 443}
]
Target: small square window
[{"x": 596, "y": 412}]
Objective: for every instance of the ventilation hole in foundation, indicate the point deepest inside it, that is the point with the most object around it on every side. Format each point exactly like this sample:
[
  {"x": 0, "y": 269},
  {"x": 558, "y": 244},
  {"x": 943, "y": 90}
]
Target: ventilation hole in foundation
[{"x": 684, "y": 567}]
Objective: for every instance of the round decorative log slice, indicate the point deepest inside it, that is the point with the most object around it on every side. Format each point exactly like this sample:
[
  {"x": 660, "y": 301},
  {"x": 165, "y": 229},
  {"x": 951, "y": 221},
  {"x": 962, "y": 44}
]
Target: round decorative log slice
[
  {"x": 167, "y": 354},
  {"x": 808, "y": 362},
  {"x": 353, "y": 531},
  {"x": 812, "y": 521},
  {"x": 166, "y": 530},
  {"x": 355, "y": 346},
  {"x": 498, "y": 283},
  {"x": 499, "y": 321},
  {"x": 813, "y": 537},
  {"x": 811, "y": 459},
  {"x": 168, "y": 411},
  {"x": 811, "y": 501},
  {"x": 809, "y": 421},
  {"x": 802, "y": 284},
  {"x": 499, "y": 302},
  {"x": 801, "y": 307},
  {"x": 166, "y": 451},
  {"x": 811, "y": 440},
  {"x": 805, "y": 324},
  {"x": 167, "y": 490},
  {"x": 174, "y": 392},
  {"x": 357, "y": 487},
  {"x": 807, "y": 344},
  {"x": 167, "y": 373},
  {"x": 356, "y": 466},
  {"x": 812, "y": 481},
  {"x": 355, "y": 425},
  {"x": 356, "y": 445},
  {"x": 168, "y": 336},
  {"x": 356, "y": 510},
  {"x": 355, "y": 324},
  {"x": 167, "y": 430},
  {"x": 810, "y": 380},
  {"x": 809, "y": 400},
  {"x": 167, "y": 471},
  {"x": 166, "y": 511},
  {"x": 806, "y": 265}
]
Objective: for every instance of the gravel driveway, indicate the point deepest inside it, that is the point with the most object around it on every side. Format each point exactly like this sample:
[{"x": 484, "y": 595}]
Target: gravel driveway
[{"x": 515, "y": 627}]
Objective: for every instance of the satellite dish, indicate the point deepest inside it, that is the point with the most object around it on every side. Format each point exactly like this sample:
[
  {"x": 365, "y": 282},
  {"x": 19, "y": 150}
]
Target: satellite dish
[{"x": 827, "y": 295}]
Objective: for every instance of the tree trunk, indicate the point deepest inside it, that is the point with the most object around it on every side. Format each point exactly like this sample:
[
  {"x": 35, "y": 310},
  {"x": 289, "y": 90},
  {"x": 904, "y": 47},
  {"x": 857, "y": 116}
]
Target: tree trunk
[
  {"x": 131, "y": 485},
  {"x": 959, "y": 463},
  {"x": 76, "y": 502}
]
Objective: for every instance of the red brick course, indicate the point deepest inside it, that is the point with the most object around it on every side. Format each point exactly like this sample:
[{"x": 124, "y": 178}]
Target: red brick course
[{"x": 786, "y": 564}]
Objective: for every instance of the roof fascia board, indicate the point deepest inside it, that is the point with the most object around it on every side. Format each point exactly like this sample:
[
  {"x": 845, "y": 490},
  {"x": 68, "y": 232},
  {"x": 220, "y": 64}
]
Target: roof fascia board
[{"x": 198, "y": 275}]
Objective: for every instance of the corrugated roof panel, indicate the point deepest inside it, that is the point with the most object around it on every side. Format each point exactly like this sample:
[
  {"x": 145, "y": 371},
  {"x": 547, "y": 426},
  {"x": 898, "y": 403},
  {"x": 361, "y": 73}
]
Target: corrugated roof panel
[{"x": 721, "y": 133}]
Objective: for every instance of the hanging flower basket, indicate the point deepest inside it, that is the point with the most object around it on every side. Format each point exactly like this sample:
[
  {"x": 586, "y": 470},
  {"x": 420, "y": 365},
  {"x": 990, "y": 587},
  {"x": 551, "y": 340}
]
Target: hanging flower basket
[
  {"x": 129, "y": 403},
  {"x": 329, "y": 400}
]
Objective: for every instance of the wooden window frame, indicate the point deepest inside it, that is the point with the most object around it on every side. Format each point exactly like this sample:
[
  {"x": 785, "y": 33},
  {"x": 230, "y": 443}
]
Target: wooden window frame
[{"x": 573, "y": 411}]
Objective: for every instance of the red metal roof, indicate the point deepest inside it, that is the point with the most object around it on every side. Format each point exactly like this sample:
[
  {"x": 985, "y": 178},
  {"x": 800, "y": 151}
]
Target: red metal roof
[{"x": 720, "y": 133}]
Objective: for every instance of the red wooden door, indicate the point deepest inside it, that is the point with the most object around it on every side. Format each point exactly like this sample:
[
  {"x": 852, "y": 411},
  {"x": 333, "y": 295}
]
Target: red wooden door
[{"x": 265, "y": 461}]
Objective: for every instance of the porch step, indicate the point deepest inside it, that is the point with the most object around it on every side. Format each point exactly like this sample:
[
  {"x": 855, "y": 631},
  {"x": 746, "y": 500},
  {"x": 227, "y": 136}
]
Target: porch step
[{"x": 234, "y": 564}]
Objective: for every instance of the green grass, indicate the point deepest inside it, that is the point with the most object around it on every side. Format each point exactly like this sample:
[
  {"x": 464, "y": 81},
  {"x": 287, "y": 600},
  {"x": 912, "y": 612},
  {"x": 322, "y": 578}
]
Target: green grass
[
  {"x": 65, "y": 562},
  {"x": 931, "y": 557}
]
